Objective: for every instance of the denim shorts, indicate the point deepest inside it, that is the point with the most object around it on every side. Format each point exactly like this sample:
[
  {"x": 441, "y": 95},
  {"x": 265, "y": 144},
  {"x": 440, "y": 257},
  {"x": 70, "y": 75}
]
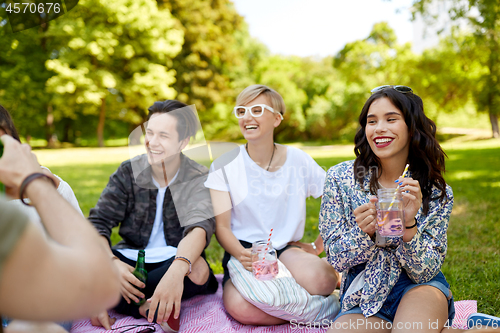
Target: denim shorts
[{"x": 388, "y": 310}]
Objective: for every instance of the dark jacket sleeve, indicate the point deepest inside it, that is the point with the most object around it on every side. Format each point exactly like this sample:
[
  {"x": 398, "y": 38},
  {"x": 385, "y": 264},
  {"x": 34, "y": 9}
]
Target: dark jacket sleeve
[
  {"x": 200, "y": 212},
  {"x": 194, "y": 206},
  {"x": 111, "y": 207}
]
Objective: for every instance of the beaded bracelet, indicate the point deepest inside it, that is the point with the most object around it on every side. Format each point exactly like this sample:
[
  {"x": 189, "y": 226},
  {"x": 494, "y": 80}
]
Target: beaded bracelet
[
  {"x": 186, "y": 260},
  {"x": 27, "y": 181}
]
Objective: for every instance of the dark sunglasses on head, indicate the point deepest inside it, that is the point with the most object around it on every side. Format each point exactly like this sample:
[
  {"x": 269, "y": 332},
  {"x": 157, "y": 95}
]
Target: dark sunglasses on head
[{"x": 401, "y": 89}]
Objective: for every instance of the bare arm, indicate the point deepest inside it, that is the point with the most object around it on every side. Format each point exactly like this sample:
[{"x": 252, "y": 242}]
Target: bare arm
[
  {"x": 72, "y": 273},
  {"x": 168, "y": 293},
  {"x": 190, "y": 247},
  {"x": 319, "y": 244},
  {"x": 308, "y": 247},
  {"x": 222, "y": 210}
]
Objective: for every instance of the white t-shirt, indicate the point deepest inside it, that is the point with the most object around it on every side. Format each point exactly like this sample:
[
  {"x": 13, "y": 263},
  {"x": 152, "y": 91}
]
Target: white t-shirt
[
  {"x": 263, "y": 200},
  {"x": 63, "y": 189},
  {"x": 157, "y": 249}
]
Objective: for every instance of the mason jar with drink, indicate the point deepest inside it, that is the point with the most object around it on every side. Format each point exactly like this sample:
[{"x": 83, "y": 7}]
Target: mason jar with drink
[
  {"x": 264, "y": 260},
  {"x": 390, "y": 212}
]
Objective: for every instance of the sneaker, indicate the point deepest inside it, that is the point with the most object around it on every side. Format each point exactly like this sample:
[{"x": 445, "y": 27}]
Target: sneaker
[{"x": 478, "y": 320}]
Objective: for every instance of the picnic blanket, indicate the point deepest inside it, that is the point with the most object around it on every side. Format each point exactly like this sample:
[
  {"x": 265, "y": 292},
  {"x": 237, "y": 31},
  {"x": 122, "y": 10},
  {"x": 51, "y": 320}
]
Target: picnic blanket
[{"x": 207, "y": 314}]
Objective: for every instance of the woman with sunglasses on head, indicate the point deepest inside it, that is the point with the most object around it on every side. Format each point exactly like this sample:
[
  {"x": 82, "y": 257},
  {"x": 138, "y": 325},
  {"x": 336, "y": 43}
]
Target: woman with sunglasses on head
[
  {"x": 265, "y": 188},
  {"x": 399, "y": 286}
]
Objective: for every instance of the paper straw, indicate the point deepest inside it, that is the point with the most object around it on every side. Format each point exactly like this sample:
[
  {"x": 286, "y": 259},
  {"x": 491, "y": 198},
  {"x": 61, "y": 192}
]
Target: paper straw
[
  {"x": 265, "y": 251},
  {"x": 395, "y": 192}
]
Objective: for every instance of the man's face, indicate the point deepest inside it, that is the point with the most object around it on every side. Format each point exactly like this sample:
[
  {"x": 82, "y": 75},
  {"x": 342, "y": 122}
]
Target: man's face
[{"x": 162, "y": 138}]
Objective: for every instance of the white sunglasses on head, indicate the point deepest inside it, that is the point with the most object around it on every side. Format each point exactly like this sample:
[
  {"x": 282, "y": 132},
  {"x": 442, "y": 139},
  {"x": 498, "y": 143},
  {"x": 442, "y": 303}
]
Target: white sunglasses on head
[{"x": 256, "y": 110}]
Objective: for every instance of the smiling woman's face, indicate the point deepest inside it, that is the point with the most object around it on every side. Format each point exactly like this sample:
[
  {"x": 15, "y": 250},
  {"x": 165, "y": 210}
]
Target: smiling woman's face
[
  {"x": 258, "y": 127},
  {"x": 386, "y": 130}
]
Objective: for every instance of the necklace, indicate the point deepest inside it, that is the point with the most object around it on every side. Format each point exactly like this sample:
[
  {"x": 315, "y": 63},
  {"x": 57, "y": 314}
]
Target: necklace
[
  {"x": 381, "y": 186},
  {"x": 274, "y": 148}
]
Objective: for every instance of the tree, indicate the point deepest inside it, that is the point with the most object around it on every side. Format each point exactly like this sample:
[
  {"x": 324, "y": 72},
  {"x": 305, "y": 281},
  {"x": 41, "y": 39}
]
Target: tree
[
  {"x": 374, "y": 61},
  {"x": 221, "y": 124},
  {"x": 209, "y": 54},
  {"x": 114, "y": 55},
  {"x": 486, "y": 31},
  {"x": 448, "y": 76},
  {"x": 23, "y": 77}
]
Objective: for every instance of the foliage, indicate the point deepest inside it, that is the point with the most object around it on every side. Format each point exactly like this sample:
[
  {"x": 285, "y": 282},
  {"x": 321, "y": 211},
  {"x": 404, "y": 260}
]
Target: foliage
[
  {"x": 109, "y": 54},
  {"x": 23, "y": 75},
  {"x": 98, "y": 68},
  {"x": 365, "y": 64},
  {"x": 486, "y": 36},
  {"x": 209, "y": 55}
]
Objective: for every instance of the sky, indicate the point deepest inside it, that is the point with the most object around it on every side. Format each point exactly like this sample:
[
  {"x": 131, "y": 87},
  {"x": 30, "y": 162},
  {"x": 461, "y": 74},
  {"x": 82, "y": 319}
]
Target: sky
[{"x": 321, "y": 27}]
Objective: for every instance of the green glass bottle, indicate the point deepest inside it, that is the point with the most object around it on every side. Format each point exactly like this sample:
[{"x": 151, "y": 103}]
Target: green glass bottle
[
  {"x": 140, "y": 273},
  {"x": 2, "y": 186}
]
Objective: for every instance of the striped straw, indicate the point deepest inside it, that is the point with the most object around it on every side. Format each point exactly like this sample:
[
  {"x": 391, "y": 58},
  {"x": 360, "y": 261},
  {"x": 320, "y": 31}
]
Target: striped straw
[
  {"x": 265, "y": 251},
  {"x": 268, "y": 241},
  {"x": 395, "y": 192}
]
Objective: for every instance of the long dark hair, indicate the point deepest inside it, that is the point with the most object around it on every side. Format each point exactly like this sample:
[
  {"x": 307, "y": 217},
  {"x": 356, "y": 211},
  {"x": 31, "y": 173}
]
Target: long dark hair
[
  {"x": 7, "y": 124},
  {"x": 426, "y": 157}
]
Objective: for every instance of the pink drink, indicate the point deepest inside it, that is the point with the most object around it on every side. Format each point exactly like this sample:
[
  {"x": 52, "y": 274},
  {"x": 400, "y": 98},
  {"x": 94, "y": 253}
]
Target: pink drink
[
  {"x": 393, "y": 225},
  {"x": 265, "y": 269}
]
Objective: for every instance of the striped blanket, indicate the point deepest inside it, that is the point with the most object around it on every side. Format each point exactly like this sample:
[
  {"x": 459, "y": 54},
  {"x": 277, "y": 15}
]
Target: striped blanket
[{"x": 207, "y": 314}]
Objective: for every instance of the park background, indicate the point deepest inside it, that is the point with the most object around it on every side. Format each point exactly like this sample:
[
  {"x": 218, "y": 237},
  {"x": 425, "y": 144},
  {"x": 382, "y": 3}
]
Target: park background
[{"x": 86, "y": 79}]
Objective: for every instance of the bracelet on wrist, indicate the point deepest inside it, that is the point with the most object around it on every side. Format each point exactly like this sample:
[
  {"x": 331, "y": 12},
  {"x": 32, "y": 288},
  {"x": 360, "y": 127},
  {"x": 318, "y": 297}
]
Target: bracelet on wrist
[
  {"x": 314, "y": 247},
  {"x": 186, "y": 260},
  {"x": 414, "y": 224},
  {"x": 27, "y": 181}
]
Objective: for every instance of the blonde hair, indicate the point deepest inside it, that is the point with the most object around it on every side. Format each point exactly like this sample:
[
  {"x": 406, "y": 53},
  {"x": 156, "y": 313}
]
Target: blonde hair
[{"x": 252, "y": 92}]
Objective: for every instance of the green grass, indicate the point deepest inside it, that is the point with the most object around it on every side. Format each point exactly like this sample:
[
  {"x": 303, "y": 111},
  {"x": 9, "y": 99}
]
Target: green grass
[{"x": 472, "y": 265}]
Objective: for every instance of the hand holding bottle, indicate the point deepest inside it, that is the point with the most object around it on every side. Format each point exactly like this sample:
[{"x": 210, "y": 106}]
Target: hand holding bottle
[{"x": 129, "y": 284}]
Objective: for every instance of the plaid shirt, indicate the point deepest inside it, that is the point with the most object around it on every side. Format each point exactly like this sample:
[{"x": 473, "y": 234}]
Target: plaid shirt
[{"x": 130, "y": 203}]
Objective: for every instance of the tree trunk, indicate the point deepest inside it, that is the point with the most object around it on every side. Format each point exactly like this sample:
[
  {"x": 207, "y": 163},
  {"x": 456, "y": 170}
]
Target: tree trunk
[
  {"x": 494, "y": 125},
  {"x": 49, "y": 128},
  {"x": 66, "y": 131},
  {"x": 100, "y": 125}
]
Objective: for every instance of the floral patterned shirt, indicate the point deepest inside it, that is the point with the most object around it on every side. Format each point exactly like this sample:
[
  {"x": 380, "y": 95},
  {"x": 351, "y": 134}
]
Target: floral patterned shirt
[{"x": 346, "y": 245}]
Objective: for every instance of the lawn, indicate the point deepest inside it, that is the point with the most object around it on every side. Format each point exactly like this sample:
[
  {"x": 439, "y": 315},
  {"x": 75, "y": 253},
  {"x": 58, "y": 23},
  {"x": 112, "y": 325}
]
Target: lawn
[{"x": 472, "y": 266}]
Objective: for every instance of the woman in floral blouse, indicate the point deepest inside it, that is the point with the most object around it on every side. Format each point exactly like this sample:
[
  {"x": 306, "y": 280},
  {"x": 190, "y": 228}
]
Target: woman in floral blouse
[{"x": 399, "y": 286}]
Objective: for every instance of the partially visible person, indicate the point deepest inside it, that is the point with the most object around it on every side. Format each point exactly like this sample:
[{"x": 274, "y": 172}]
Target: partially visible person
[
  {"x": 146, "y": 206},
  {"x": 63, "y": 277},
  {"x": 7, "y": 127},
  {"x": 63, "y": 188}
]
